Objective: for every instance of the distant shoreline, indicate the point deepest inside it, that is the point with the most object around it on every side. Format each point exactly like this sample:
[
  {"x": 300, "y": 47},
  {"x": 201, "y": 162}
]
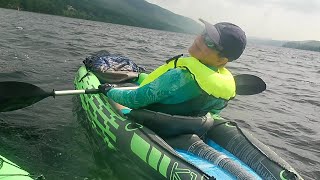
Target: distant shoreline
[
  {"x": 311, "y": 45},
  {"x": 303, "y": 45}
]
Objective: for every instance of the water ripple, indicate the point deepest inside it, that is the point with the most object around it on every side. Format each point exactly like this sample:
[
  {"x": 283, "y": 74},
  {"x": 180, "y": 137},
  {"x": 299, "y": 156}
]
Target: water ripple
[{"x": 47, "y": 51}]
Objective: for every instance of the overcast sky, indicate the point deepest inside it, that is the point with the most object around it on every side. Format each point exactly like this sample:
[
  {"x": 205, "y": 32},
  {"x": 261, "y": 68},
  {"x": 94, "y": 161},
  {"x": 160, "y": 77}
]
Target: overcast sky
[{"x": 273, "y": 19}]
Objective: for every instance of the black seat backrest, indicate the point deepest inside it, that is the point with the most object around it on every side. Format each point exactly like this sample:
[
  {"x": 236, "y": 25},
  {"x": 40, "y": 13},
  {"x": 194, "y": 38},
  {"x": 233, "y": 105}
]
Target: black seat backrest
[{"x": 166, "y": 125}]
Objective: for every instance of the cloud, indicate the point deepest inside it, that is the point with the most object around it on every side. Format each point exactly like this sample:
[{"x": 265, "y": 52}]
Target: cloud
[
  {"x": 302, "y": 6},
  {"x": 276, "y": 19}
]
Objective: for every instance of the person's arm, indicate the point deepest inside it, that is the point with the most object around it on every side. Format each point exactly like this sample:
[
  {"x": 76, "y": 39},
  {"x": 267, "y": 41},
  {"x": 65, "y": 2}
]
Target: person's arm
[
  {"x": 219, "y": 106},
  {"x": 163, "y": 87}
]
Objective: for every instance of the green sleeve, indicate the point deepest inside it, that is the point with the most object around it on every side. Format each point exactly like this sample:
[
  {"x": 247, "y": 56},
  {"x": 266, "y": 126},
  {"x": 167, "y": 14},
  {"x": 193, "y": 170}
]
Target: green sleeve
[
  {"x": 219, "y": 106},
  {"x": 167, "y": 85}
]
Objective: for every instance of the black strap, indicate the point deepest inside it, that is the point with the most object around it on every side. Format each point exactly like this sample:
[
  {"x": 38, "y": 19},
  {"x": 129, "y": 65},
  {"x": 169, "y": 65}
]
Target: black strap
[
  {"x": 175, "y": 58},
  {"x": 87, "y": 74}
]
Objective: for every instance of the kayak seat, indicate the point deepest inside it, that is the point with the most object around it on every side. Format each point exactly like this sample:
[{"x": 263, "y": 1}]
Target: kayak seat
[{"x": 166, "y": 125}]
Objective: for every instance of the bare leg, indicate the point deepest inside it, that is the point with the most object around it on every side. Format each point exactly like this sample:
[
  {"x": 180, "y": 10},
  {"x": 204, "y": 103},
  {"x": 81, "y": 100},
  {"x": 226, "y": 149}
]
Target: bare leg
[{"x": 117, "y": 106}]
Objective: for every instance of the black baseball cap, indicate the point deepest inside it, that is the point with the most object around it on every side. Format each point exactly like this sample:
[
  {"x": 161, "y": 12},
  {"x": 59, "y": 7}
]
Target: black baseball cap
[{"x": 230, "y": 38}]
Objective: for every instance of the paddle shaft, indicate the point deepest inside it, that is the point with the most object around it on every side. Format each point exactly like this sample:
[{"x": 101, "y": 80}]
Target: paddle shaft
[
  {"x": 75, "y": 92},
  {"x": 84, "y": 91}
]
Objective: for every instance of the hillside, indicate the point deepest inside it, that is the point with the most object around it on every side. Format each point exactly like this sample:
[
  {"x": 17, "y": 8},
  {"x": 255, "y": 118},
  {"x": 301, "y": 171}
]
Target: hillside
[
  {"x": 268, "y": 42},
  {"x": 127, "y": 12},
  {"x": 304, "y": 45}
]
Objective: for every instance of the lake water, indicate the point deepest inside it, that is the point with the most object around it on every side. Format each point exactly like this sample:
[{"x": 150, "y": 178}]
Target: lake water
[{"x": 50, "y": 137}]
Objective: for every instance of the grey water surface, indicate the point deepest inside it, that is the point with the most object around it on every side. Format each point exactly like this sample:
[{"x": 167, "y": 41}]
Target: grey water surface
[{"x": 50, "y": 137}]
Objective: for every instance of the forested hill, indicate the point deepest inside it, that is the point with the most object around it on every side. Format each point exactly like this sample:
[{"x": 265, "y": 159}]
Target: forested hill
[
  {"x": 128, "y": 12},
  {"x": 305, "y": 45}
]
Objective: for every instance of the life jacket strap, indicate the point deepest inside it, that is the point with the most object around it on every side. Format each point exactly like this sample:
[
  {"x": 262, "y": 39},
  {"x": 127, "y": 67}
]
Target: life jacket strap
[{"x": 175, "y": 58}]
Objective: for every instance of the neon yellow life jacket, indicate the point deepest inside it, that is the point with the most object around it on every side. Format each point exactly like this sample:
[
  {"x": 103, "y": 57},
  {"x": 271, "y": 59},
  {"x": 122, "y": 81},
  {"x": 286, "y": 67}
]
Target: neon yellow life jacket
[{"x": 218, "y": 84}]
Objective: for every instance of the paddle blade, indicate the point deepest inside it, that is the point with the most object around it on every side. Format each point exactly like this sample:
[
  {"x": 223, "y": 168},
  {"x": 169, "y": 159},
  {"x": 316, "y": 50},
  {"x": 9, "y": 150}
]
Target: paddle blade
[
  {"x": 247, "y": 84},
  {"x": 17, "y": 95}
]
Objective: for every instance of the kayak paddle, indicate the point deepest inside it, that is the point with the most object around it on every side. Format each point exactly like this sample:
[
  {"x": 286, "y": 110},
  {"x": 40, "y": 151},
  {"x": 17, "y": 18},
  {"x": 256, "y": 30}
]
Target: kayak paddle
[
  {"x": 16, "y": 95},
  {"x": 247, "y": 84}
]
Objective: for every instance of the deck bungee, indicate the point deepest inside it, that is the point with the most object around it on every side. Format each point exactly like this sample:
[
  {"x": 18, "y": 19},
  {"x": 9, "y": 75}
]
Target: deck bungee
[{"x": 207, "y": 159}]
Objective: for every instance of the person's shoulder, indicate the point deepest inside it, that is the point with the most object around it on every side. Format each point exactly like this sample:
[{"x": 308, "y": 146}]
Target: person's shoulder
[
  {"x": 178, "y": 72},
  {"x": 178, "y": 75}
]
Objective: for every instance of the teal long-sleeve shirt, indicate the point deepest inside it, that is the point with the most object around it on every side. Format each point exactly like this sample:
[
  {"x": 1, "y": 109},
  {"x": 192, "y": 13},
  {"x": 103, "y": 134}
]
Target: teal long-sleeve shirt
[{"x": 173, "y": 87}]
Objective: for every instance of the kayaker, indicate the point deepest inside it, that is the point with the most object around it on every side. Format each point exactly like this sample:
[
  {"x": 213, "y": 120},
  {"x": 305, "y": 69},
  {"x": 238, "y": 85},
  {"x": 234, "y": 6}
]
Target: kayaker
[{"x": 194, "y": 85}]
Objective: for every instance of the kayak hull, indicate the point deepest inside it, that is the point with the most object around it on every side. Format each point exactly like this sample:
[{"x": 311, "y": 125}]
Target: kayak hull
[
  {"x": 142, "y": 145},
  {"x": 151, "y": 153},
  {"x": 11, "y": 171}
]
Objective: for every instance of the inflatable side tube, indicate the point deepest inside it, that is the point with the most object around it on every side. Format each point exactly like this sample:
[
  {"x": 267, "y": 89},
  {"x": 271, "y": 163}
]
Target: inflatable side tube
[
  {"x": 193, "y": 144},
  {"x": 265, "y": 162},
  {"x": 166, "y": 125},
  {"x": 11, "y": 171}
]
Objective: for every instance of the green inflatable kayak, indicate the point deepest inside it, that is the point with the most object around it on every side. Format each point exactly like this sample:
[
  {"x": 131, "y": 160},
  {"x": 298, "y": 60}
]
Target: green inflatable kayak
[
  {"x": 149, "y": 140},
  {"x": 11, "y": 171}
]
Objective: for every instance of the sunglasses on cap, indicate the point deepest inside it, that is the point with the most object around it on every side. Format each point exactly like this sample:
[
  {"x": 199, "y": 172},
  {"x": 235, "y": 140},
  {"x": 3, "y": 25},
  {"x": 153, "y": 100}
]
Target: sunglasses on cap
[{"x": 209, "y": 42}]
